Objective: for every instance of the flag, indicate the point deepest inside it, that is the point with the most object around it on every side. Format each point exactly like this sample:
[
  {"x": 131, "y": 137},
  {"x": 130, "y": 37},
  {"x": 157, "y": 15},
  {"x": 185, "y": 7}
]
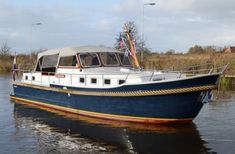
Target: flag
[
  {"x": 15, "y": 68},
  {"x": 122, "y": 43}
]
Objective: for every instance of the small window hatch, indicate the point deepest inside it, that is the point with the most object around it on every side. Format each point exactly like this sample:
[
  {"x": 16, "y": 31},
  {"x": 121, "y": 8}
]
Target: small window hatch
[
  {"x": 107, "y": 81},
  {"x": 121, "y": 81},
  {"x": 93, "y": 80},
  {"x": 81, "y": 80}
]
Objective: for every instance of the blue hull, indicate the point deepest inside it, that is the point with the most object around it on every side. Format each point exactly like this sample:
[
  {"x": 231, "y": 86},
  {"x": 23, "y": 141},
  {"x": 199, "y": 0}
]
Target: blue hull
[{"x": 161, "y": 108}]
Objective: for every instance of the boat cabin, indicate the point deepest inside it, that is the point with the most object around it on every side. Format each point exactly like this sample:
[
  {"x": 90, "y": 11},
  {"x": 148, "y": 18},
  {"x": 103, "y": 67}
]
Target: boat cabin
[
  {"x": 88, "y": 66},
  {"x": 53, "y": 61}
]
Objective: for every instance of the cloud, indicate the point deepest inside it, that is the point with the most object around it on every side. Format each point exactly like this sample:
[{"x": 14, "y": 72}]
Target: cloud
[
  {"x": 171, "y": 24},
  {"x": 212, "y": 7},
  {"x": 175, "y": 5},
  {"x": 227, "y": 38},
  {"x": 14, "y": 35}
]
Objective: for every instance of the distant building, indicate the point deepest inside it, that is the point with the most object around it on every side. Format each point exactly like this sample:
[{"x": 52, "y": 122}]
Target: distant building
[{"x": 230, "y": 50}]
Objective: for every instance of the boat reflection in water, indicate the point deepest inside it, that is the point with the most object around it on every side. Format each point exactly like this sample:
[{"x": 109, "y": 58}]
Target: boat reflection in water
[{"x": 59, "y": 132}]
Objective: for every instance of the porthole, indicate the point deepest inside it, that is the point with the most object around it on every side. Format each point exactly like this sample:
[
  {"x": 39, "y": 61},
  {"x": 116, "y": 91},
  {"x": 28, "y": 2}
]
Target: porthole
[
  {"x": 107, "y": 81},
  {"x": 93, "y": 80},
  {"x": 81, "y": 80},
  {"x": 121, "y": 81}
]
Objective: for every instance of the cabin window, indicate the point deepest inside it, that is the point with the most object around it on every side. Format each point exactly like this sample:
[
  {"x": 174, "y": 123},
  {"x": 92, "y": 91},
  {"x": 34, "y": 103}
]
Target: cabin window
[
  {"x": 39, "y": 64},
  {"x": 121, "y": 81},
  {"x": 125, "y": 60},
  {"x": 81, "y": 80},
  {"x": 93, "y": 80},
  {"x": 109, "y": 59},
  {"x": 26, "y": 77},
  {"x": 49, "y": 64},
  {"x": 89, "y": 60},
  {"x": 50, "y": 60},
  {"x": 33, "y": 78},
  {"x": 68, "y": 61},
  {"x": 107, "y": 81}
]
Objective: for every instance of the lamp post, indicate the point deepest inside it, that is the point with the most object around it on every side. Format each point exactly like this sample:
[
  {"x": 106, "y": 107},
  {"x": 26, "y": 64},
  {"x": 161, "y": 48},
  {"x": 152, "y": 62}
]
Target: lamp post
[
  {"x": 31, "y": 34},
  {"x": 142, "y": 54}
]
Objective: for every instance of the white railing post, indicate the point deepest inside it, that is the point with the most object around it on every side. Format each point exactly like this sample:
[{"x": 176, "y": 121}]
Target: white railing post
[
  {"x": 58, "y": 79},
  {"x": 41, "y": 79},
  {"x": 127, "y": 76},
  {"x": 71, "y": 79},
  {"x": 48, "y": 78},
  {"x": 31, "y": 77},
  {"x": 151, "y": 77},
  {"x": 211, "y": 70}
]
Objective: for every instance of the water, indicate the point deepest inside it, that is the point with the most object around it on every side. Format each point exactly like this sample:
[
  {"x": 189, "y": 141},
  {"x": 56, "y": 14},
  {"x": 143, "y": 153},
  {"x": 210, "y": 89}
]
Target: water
[{"x": 25, "y": 129}]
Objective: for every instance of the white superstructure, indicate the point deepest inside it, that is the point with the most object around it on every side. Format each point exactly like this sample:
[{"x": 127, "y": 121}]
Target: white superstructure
[{"x": 90, "y": 67}]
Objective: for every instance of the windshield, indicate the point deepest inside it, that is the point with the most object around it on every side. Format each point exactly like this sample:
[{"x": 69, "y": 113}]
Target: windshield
[
  {"x": 109, "y": 59},
  {"x": 50, "y": 61},
  {"x": 89, "y": 60},
  {"x": 124, "y": 59},
  {"x": 68, "y": 61}
]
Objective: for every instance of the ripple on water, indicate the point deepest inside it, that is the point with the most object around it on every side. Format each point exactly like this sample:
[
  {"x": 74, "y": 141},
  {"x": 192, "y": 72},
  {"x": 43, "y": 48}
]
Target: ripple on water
[{"x": 50, "y": 140}]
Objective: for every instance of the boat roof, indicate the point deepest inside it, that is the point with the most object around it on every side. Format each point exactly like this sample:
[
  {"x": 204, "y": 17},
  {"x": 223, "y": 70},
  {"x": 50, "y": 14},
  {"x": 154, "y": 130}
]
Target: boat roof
[{"x": 69, "y": 51}]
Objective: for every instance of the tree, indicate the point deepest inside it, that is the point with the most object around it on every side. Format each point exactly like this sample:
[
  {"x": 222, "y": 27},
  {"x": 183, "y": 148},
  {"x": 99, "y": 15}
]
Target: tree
[
  {"x": 170, "y": 52},
  {"x": 122, "y": 38},
  {"x": 213, "y": 49},
  {"x": 206, "y": 49},
  {"x": 196, "y": 49},
  {"x": 5, "y": 50}
]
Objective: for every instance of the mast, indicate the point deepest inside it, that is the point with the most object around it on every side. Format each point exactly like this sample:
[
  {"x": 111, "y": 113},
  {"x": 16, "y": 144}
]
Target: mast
[{"x": 132, "y": 46}]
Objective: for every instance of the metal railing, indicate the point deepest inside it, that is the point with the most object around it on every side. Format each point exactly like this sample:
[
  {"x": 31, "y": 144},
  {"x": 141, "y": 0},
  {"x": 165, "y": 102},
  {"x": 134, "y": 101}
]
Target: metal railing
[
  {"x": 48, "y": 77},
  {"x": 201, "y": 69}
]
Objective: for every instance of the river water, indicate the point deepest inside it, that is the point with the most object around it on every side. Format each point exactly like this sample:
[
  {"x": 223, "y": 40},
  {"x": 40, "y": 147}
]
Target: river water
[{"x": 25, "y": 129}]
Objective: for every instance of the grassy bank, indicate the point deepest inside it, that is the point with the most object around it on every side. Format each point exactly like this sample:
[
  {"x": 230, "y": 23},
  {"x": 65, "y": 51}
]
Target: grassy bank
[
  {"x": 227, "y": 83},
  {"x": 151, "y": 61},
  {"x": 6, "y": 62},
  {"x": 177, "y": 61}
]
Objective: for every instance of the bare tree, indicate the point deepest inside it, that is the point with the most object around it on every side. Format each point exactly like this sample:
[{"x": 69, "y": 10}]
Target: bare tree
[
  {"x": 5, "y": 50},
  {"x": 140, "y": 46},
  {"x": 197, "y": 49}
]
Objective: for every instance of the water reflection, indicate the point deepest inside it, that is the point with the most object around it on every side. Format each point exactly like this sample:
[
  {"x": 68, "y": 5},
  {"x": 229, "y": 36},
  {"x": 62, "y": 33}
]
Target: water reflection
[{"x": 68, "y": 133}]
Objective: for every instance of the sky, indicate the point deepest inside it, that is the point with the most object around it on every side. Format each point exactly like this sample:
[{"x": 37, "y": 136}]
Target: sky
[{"x": 170, "y": 24}]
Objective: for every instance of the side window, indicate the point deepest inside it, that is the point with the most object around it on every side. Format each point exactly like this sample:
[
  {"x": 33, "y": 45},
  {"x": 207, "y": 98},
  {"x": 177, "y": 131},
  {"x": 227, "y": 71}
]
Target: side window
[
  {"x": 68, "y": 61},
  {"x": 74, "y": 61},
  {"x": 109, "y": 59},
  {"x": 89, "y": 60},
  {"x": 125, "y": 61},
  {"x": 39, "y": 64},
  {"x": 50, "y": 61},
  {"x": 49, "y": 64}
]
